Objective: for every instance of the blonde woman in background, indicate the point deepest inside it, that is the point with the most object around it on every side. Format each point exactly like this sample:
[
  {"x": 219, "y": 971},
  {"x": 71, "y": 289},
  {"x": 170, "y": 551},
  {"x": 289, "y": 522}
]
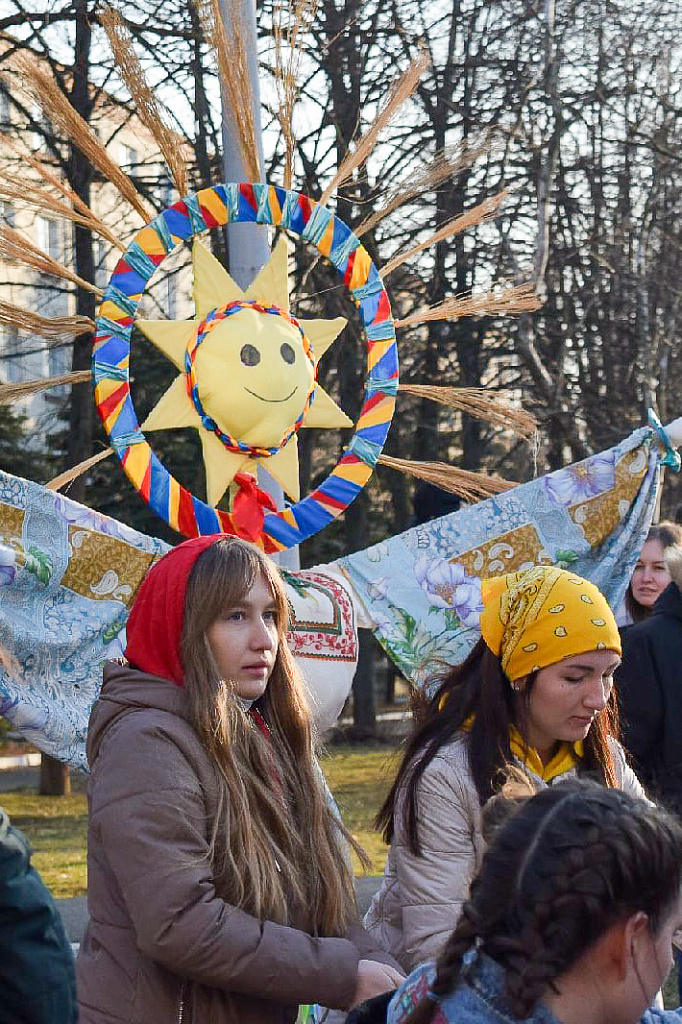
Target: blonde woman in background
[{"x": 651, "y": 575}]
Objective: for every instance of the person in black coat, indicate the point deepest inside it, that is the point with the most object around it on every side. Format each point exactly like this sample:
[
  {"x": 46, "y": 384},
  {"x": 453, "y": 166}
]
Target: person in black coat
[
  {"x": 37, "y": 976},
  {"x": 649, "y": 683}
]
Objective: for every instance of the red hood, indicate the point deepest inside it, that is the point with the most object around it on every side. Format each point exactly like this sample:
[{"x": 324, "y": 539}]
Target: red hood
[{"x": 154, "y": 626}]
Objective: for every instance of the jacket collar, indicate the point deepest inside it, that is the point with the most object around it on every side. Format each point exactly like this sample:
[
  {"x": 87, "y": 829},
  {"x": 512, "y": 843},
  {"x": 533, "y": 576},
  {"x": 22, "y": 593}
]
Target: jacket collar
[
  {"x": 565, "y": 759},
  {"x": 486, "y": 978},
  {"x": 670, "y": 602}
]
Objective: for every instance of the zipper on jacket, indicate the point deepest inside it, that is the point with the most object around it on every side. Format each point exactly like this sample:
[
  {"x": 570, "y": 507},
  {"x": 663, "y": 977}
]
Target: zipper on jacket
[{"x": 181, "y": 1008}]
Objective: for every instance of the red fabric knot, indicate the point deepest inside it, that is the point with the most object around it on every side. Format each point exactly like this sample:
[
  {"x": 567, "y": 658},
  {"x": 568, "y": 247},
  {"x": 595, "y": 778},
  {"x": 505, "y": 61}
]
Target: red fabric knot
[{"x": 249, "y": 503}]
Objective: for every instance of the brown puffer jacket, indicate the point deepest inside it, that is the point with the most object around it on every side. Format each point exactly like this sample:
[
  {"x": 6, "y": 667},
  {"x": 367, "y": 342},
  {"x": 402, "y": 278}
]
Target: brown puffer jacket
[{"x": 161, "y": 947}]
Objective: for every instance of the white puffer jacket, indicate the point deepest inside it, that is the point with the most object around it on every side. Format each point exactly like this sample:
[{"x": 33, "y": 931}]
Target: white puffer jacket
[{"x": 420, "y": 898}]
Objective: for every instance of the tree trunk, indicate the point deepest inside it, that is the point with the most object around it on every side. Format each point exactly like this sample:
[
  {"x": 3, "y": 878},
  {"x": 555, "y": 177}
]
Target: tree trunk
[
  {"x": 54, "y": 776},
  {"x": 81, "y": 406},
  {"x": 364, "y": 702},
  {"x": 55, "y": 779}
]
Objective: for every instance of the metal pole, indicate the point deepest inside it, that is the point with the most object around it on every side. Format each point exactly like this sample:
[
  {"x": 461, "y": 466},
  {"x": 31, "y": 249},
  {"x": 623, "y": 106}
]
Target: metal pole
[{"x": 248, "y": 247}]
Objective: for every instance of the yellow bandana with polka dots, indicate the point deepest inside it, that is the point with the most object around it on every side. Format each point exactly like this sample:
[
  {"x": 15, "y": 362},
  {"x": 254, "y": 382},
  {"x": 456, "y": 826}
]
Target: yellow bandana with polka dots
[{"x": 535, "y": 618}]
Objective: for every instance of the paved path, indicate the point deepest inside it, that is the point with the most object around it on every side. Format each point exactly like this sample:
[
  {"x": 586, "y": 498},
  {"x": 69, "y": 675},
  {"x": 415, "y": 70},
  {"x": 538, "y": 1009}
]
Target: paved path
[
  {"x": 20, "y": 778},
  {"x": 74, "y": 911}
]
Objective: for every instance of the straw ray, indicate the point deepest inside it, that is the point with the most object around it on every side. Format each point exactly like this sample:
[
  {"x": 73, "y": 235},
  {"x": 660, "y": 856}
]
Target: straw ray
[
  {"x": 147, "y": 106},
  {"x": 72, "y": 474},
  {"x": 424, "y": 179},
  {"x": 288, "y": 48},
  {"x": 65, "y": 190},
  {"x": 520, "y": 299},
  {"x": 46, "y": 91},
  {"x": 44, "y": 326},
  {"x": 233, "y": 71},
  {"x": 467, "y": 485},
  {"x": 470, "y": 218},
  {"x": 23, "y": 389},
  {"x": 15, "y": 248},
  {"x": 477, "y": 402},
  {"x": 31, "y": 194},
  {"x": 399, "y": 94}
]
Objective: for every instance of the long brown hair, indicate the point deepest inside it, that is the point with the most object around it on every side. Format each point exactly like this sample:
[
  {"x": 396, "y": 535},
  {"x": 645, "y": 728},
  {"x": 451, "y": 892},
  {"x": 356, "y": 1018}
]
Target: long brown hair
[
  {"x": 479, "y": 689},
  {"x": 570, "y": 863},
  {"x": 276, "y": 845}
]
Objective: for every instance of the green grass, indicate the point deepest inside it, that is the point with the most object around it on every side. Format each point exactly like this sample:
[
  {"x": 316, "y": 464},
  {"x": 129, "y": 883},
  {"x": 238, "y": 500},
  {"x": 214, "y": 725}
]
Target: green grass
[
  {"x": 359, "y": 778},
  {"x": 671, "y": 992},
  {"x": 57, "y": 826}
]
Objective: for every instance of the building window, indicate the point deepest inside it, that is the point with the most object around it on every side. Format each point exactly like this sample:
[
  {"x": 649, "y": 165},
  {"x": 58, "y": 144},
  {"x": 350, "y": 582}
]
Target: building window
[
  {"x": 10, "y": 355},
  {"x": 8, "y": 213},
  {"x": 59, "y": 359},
  {"x": 49, "y": 237},
  {"x": 163, "y": 188},
  {"x": 44, "y": 133},
  {"x": 5, "y": 114},
  {"x": 129, "y": 159},
  {"x": 100, "y": 255}
]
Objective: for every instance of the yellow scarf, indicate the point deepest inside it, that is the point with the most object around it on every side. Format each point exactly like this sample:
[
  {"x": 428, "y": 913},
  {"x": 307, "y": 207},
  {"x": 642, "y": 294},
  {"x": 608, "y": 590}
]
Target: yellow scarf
[
  {"x": 535, "y": 618},
  {"x": 566, "y": 757}
]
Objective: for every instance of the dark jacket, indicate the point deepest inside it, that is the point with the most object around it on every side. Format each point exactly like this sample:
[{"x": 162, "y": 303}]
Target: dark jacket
[
  {"x": 649, "y": 683},
  {"x": 161, "y": 946},
  {"x": 37, "y": 979}
]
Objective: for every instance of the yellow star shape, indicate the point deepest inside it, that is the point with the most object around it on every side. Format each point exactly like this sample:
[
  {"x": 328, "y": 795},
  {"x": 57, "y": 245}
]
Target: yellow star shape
[{"x": 252, "y": 373}]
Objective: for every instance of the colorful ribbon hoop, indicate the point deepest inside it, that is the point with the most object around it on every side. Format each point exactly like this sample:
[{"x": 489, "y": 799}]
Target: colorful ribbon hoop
[{"x": 196, "y": 213}]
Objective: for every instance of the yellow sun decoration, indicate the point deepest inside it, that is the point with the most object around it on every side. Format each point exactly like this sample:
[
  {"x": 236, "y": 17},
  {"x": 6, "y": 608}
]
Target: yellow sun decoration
[{"x": 252, "y": 373}]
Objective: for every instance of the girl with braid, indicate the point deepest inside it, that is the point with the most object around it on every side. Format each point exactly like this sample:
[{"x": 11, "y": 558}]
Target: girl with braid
[
  {"x": 570, "y": 920},
  {"x": 218, "y": 886},
  {"x": 536, "y": 691}
]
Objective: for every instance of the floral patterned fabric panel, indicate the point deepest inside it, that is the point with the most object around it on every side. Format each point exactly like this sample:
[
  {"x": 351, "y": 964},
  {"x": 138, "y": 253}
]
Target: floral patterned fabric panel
[
  {"x": 67, "y": 578},
  {"x": 422, "y": 589},
  {"x": 68, "y": 574}
]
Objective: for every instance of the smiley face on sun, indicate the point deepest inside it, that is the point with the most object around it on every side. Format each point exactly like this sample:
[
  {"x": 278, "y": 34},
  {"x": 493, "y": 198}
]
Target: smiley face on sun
[{"x": 247, "y": 373}]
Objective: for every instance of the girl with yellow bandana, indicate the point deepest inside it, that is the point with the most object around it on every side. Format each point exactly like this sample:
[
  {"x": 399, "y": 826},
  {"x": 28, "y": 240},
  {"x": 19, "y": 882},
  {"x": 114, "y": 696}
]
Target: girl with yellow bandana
[{"x": 536, "y": 691}]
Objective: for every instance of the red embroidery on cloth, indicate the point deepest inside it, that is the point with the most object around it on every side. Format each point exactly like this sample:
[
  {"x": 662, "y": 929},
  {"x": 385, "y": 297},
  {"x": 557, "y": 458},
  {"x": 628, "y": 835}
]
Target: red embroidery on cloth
[
  {"x": 261, "y": 723},
  {"x": 333, "y": 637}
]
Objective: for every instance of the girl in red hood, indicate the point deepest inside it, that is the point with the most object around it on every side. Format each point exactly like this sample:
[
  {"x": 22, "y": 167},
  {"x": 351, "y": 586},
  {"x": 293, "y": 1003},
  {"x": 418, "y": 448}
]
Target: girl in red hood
[{"x": 218, "y": 889}]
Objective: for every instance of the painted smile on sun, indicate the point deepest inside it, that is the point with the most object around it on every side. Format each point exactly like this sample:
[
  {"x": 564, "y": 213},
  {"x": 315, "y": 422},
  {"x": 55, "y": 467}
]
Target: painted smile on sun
[{"x": 248, "y": 368}]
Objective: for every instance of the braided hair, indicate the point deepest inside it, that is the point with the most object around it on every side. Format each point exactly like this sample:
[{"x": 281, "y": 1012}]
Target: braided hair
[{"x": 573, "y": 861}]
